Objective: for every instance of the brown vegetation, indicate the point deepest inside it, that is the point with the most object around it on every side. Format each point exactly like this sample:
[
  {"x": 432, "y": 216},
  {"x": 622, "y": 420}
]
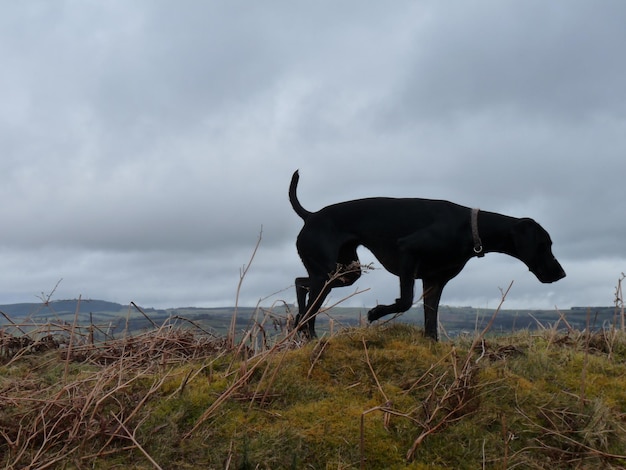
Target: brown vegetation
[
  {"x": 378, "y": 397},
  {"x": 178, "y": 396}
]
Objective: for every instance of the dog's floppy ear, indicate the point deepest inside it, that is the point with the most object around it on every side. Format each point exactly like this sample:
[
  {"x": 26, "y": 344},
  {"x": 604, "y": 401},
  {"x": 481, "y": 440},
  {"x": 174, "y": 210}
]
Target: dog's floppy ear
[{"x": 524, "y": 234}]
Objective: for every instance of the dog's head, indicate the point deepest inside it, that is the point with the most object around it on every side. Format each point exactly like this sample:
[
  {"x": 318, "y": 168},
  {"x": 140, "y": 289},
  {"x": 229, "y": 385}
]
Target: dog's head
[{"x": 534, "y": 248}]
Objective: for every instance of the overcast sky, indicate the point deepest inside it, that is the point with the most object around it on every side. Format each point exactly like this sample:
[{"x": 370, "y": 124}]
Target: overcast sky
[{"x": 145, "y": 144}]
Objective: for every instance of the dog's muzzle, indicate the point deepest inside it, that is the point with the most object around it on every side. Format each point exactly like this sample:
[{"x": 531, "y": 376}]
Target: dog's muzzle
[{"x": 549, "y": 272}]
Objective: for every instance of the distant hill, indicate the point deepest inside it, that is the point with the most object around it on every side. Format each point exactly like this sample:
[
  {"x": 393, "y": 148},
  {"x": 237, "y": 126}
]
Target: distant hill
[
  {"x": 455, "y": 320},
  {"x": 60, "y": 307}
]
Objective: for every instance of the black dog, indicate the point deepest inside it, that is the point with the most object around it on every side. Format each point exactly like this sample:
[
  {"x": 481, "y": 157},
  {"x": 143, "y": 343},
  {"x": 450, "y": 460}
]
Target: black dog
[{"x": 413, "y": 239}]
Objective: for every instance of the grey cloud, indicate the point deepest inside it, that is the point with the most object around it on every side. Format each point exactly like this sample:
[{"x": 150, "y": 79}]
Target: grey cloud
[
  {"x": 144, "y": 145},
  {"x": 531, "y": 58}
]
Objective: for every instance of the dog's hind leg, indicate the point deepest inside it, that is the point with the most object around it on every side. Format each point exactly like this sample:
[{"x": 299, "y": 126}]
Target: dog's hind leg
[
  {"x": 312, "y": 291},
  {"x": 311, "y": 295},
  {"x": 302, "y": 290}
]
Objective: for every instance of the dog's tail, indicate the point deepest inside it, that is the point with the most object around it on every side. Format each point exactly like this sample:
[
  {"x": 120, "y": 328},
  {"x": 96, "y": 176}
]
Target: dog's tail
[{"x": 293, "y": 198}]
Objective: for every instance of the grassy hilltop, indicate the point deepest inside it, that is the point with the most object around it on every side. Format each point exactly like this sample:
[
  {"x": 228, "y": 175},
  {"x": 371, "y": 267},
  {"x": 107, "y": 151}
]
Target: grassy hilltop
[{"x": 379, "y": 397}]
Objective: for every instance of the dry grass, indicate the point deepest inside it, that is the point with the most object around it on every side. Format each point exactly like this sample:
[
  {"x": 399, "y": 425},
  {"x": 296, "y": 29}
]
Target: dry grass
[{"x": 64, "y": 399}]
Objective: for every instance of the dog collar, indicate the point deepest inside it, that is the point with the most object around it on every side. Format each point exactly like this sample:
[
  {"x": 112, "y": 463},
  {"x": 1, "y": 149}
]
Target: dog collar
[{"x": 478, "y": 244}]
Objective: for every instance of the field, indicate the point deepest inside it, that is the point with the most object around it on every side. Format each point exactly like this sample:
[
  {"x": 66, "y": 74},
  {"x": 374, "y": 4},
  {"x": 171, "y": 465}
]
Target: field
[
  {"x": 109, "y": 319},
  {"x": 80, "y": 390}
]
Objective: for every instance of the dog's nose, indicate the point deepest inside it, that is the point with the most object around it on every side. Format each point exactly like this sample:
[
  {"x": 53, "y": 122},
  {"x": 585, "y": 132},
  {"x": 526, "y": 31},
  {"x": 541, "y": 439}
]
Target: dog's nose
[
  {"x": 559, "y": 272},
  {"x": 551, "y": 273}
]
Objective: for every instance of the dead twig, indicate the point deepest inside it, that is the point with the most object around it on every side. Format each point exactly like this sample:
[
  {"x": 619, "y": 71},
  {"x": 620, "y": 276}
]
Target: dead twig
[
  {"x": 131, "y": 436},
  {"x": 242, "y": 274}
]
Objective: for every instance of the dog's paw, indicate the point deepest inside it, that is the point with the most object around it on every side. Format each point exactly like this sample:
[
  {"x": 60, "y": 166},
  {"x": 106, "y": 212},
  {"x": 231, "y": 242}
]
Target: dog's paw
[{"x": 375, "y": 313}]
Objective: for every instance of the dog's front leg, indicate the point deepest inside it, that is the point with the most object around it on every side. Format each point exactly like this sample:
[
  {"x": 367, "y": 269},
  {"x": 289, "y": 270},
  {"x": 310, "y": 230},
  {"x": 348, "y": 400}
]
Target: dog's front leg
[
  {"x": 432, "y": 296},
  {"x": 402, "y": 304}
]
